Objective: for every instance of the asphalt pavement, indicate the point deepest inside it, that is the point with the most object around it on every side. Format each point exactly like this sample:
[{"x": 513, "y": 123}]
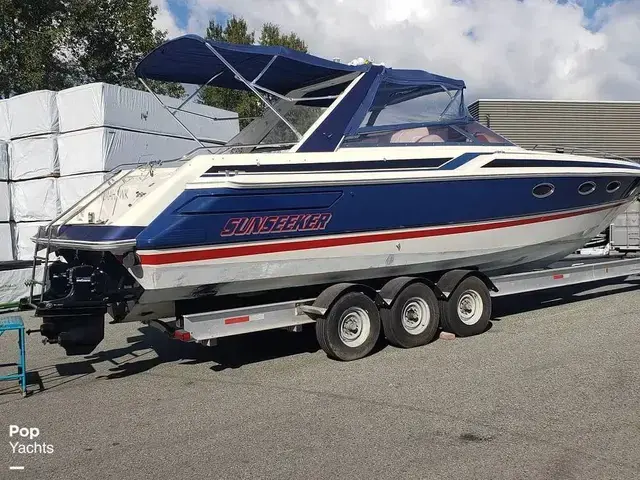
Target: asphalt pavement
[{"x": 550, "y": 391}]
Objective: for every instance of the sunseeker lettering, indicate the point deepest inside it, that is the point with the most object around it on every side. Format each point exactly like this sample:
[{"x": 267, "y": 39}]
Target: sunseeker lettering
[{"x": 260, "y": 225}]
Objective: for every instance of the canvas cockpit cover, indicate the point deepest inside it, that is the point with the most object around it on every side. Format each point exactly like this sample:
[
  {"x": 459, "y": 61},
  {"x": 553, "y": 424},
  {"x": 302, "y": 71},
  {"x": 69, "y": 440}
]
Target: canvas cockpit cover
[
  {"x": 187, "y": 59},
  {"x": 397, "y": 86},
  {"x": 194, "y": 60}
]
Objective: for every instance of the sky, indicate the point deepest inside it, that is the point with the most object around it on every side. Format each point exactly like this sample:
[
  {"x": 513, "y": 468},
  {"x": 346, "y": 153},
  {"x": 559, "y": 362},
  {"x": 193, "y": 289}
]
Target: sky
[{"x": 549, "y": 49}]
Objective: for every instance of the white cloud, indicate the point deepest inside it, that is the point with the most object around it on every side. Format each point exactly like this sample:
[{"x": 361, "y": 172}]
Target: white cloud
[
  {"x": 501, "y": 48},
  {"x": 165, "y": 20}
]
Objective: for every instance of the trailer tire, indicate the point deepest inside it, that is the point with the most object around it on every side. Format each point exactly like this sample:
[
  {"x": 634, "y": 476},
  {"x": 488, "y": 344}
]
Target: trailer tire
[
  {"x": 413, "y": 318},
  {"x": 351, "y": 327},
  {"x": 467, "y": 311}
]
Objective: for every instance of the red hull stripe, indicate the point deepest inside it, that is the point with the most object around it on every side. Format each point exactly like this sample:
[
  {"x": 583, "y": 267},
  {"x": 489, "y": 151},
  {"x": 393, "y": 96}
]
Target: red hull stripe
[{"x": 278, "y": 247}]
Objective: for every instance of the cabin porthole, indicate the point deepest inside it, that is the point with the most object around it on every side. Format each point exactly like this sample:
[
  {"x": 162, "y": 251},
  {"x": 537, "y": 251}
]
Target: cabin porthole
[
  {"x": 613, "y": 186},
  {"x": 587, "y": 188},
  {"x": 543, "y": 190}
]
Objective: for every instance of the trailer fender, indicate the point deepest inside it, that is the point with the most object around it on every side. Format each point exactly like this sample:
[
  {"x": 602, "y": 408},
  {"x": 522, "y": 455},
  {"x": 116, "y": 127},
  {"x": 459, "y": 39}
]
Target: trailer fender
[
  {"x": 393, "y": 287},
  {"x": 450, "y": 280},
  {"x": 328, "y": 297}
]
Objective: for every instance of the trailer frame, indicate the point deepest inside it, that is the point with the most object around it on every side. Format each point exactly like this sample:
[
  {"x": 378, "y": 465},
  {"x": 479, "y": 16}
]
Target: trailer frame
[{"x": 207, "y": 327}]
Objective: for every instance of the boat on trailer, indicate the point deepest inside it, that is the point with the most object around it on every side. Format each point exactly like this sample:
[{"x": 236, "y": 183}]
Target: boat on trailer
[{"x": 364, "y": 189}]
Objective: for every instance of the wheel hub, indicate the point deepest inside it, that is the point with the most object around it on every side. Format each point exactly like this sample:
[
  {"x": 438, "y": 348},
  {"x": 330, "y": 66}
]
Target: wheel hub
[
  {"x": 415, "y": 316},
  {"x": 470, "y": 307},
  {"x": 354, "y": 327}
]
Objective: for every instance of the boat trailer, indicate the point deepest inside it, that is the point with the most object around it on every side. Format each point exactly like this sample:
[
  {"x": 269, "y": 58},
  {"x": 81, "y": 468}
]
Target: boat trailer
[{"x": 459, "y": 302}]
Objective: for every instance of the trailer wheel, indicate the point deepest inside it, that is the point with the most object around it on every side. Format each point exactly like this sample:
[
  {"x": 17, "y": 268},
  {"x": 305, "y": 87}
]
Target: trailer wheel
[
  {"x": 351, "y": 328},
  {"x": 413, "y": 318},
  {"x": 468, "y": 309}
]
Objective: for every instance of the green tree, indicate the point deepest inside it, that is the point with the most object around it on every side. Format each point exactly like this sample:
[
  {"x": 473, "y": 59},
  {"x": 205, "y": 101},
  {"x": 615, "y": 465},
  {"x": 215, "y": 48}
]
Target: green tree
[
  {"x": 56, "y": 44},
  {"x": 29, "y": 40},
  {"x": 272, "y": 36},
  {"x": 236, "y": 30},
  {"x": 300, "y": 117},
  {"x": 246, "y": 104}
]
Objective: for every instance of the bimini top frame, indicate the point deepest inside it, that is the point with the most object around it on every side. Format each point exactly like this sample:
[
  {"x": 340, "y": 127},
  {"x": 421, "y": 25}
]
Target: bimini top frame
[{"x": 281, "y": 73}]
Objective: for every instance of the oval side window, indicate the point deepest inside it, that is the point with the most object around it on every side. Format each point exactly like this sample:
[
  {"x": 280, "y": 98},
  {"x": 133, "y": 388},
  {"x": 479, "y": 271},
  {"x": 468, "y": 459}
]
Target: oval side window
[
  {"x": 587, "y": 188},
  {"x": 613, "y": 186},
  {"x": 543, "y": 190}
]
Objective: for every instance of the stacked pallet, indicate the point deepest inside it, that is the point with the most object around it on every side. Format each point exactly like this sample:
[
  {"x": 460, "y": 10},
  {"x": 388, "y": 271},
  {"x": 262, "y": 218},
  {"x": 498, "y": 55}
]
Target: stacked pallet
[
  {"x": 32, "y": 130},
  {"x": 55, "y": 147},
  {"x": 103, "y": 126},
  {"x": 6, "y": 246}
]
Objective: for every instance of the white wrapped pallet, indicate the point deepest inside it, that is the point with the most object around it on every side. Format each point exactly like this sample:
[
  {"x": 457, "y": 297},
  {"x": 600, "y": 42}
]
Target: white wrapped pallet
[
  {"x": 6, "y": 245},
  {"x": 105, "y": 105},
  {"x": 102, "y": 149},
  {"x": 35, "y": 200},
  {"x": 72, "y": 189},
  {"x": 202, "y": 127},
  {"x": 5, "y": 203},
  {"x": 34, "y": 157},
  {"x": 4, "y": 121},
  {"x": 4, "y": 160},
  {"x": 12, "y": 284},
  {"x": 22, "y": 234},
  {"x": 33, "y": 113}
]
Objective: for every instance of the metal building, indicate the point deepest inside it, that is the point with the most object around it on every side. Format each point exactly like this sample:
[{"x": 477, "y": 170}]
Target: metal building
[
  {"x": 612, "y": 127},
  {"x": 588, "y": 127}
]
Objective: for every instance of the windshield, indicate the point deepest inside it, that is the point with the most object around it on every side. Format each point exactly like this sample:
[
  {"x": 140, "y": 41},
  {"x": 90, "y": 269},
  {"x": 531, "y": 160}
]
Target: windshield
[
  {"x": 272, "y": 129},
  {"x": 301, "y": 117},
  {"x": 469, "y": 132},
  {"x": 270, "y": 133},
  {"x": 395, "y": 104},
  {"x": 402, "y": 114}
]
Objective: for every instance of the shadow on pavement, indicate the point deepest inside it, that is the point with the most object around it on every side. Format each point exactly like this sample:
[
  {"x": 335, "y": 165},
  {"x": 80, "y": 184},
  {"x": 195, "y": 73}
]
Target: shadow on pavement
[
  {"x": 232, "y": 352},
  {"x": 527, "y": 302},
  {"x": 153, "y": 348},
  {"x": 35, "y": 383}
]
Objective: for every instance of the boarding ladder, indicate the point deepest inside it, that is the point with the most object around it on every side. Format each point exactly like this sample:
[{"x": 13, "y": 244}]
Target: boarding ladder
[{"x": 45, "y": 235}]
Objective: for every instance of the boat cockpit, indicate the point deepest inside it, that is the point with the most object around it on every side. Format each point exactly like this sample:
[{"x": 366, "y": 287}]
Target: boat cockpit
[{"x": 316, "y": 105}]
